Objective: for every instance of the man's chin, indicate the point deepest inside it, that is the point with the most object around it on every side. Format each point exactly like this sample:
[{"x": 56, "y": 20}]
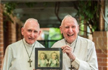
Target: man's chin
[
  {"x": 70, "y": 40},
  {"x": 30, "y": 42}
]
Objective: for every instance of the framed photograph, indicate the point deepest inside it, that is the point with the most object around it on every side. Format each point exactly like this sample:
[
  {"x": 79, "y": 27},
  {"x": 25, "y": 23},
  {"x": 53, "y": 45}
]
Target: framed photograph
[{"x": 48, "y": 58}]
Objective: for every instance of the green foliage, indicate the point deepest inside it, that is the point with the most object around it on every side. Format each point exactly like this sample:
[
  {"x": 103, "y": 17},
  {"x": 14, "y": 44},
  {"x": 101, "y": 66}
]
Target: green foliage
[
  {"x": 89, "y": 12},
  {"x": 9, "y": 7},
  {"x": 30, "y": 4},
  {"x": 6, "y": 17},
  {"x": 54, "y": 34},
  {"x": 82, "y": 28}
]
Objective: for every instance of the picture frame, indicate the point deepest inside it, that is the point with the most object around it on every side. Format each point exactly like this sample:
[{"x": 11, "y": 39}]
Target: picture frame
[{"x": 48, "y": 58}]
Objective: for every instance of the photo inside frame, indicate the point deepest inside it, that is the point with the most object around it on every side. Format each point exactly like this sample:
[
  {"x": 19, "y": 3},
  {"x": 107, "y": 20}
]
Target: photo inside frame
[{"x": 48, "y": 58}]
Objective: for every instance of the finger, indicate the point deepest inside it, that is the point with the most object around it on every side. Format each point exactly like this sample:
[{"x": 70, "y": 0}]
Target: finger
[
  {"x": 65, "y": 50},
  {"x": 63, "y": 47}
]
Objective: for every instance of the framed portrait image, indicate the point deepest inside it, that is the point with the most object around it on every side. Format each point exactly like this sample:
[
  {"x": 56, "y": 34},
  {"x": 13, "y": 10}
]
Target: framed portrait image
[{"x": 48, "y": 58}]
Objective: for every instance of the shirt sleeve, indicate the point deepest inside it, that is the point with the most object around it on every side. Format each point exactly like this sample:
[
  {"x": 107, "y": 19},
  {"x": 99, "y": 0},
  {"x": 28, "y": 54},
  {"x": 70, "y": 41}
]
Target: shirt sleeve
[
  {"x": 90, "y": 63},
  {"x": 75, "y": 64},
  {"x": 7, "y": 59}
]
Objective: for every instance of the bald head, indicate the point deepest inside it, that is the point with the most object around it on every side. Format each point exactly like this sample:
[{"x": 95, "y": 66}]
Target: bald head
[
  {"x": 31, "y": 21},
  {"x": 68, "y": 18}
]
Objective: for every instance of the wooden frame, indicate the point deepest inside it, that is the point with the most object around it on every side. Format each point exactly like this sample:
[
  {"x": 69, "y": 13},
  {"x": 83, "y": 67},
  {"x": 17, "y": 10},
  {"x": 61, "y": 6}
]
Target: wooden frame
[{"x": 48, "y": 54}]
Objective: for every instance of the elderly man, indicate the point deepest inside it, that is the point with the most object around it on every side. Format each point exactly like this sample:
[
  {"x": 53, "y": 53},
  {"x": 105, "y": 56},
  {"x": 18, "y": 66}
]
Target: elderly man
[
  {"x": 78, "y": 52},
  {"x": 20, "y": 55}
]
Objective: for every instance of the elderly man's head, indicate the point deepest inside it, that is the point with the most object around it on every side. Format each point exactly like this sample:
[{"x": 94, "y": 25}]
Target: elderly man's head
[
  {"x": 69, "y": 28},
  {"x": 31, "y": 30}
]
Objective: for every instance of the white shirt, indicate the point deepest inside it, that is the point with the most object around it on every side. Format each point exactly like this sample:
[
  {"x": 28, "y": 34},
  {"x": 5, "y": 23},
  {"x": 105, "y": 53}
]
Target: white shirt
[
  {"x": 16, "y": 57},
  {"x": 84, "y": 51}
]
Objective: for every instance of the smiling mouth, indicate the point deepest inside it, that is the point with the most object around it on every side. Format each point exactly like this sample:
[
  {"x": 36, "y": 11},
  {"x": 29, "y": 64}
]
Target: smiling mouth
[
  {"x": 70, "y": 35},
  {"x": 30, "y": 38}
]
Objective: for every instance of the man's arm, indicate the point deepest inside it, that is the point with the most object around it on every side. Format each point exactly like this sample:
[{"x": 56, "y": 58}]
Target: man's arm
[
  {"x": 90, "y": 63},
  {"x": 7, "y": 59}
]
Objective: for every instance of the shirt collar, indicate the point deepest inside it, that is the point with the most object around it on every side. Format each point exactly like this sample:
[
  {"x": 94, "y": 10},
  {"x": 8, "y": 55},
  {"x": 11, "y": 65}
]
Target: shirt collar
[
  {"x": 71, "y": 43},
  {"x": 29, "y": 45}
]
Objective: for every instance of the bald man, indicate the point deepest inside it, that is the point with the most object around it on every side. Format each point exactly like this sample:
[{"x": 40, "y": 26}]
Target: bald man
[
  {"x": 78, "y": 52},
  {"x": 20, "y": 55}
]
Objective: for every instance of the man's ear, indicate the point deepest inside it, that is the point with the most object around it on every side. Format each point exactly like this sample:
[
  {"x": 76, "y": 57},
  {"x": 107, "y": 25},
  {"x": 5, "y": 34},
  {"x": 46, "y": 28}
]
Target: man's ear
[
  {"x": 40, "y": 32},
  {"x": 78, "y": 28},
  {"x": 61, "y": 29},
  {"x": 22, "y": 31}
]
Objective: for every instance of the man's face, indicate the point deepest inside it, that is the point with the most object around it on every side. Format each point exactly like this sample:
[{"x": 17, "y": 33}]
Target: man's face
[
  {"x": 31, "y": 32},
  {"x": 69, "y": 29}
]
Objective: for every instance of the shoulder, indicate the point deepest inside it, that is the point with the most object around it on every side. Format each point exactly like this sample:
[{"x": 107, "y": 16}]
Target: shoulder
[
  {"x": 39, "y": 45},
  {"x": 59, "y": 43},
  {"x": 85, "y": 40},
  {"x": 15, "y": 44}
]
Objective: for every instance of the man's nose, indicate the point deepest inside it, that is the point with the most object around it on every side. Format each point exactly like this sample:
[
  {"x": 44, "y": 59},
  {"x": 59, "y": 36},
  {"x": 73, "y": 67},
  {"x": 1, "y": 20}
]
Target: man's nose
[
  {"x": 32, "y": 34},
  {"x": 70, "y": 30}
]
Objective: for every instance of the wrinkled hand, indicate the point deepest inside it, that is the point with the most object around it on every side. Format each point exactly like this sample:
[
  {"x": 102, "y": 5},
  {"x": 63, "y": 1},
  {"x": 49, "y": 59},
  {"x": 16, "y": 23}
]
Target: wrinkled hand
[
  {"x": 36, "y": 69},
  {"x": 68, "y": 50}
]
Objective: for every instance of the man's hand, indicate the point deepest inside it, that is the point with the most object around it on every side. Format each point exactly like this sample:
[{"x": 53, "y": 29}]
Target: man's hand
[
  {"x": 68, "y": 50},
  {"x": 36, "y": 69}
]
